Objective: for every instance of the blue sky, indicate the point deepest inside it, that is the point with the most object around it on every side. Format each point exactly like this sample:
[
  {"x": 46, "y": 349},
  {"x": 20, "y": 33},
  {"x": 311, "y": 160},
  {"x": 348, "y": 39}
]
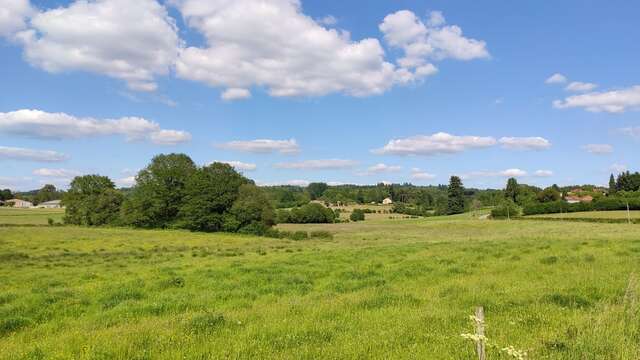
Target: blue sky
[{"x": 398, "y": 91}]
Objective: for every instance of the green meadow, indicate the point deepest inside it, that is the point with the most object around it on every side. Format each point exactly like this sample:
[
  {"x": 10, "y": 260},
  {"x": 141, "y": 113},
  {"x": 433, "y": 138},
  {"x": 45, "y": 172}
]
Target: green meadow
[
  {"x": 11, "y": 216},
  {"x": 380, "y": 289}
]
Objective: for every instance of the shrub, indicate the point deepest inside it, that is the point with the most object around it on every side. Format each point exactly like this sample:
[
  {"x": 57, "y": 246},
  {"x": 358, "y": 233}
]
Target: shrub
[
  {"x": 507, "y": 209},
  {"x": 357, "y": 215},
  {"x": 299, "y": 235},
  {"x": 51, "y": 222},
  {"x": 308, "y": 214}
]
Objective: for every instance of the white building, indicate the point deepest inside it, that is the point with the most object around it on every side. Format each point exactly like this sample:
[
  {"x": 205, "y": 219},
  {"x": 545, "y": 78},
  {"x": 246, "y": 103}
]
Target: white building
[
  {"x": 387, "y": 201},
  {"x": 54, "y": 204},
  {"x": 17, "y": 203}
]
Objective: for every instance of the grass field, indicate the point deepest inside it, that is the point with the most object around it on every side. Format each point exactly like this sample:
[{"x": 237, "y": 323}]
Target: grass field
[
  {"x": 591, "y": 215},
  {"x": 29, "y": 216},
  {"x": 380, "y": 289}
]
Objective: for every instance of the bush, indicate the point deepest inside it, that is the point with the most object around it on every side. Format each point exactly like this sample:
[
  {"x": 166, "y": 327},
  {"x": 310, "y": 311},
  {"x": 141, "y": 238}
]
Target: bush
[
  {"x": 299, "y": 235},
  {"x": 308, "y": 214},
  {"x": 506, "y": 209},
  {"x": 357, "y": 215}
]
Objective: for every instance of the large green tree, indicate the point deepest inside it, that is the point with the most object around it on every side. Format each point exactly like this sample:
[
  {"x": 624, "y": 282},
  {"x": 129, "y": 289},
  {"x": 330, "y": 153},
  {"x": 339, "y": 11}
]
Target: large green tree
[
  {"x": 252, "y": 210},
  {"x": 209, "y": 195},
  {"x": 612, "y": 185},
  {"x": 512, "y": 189},
  {"x": 316, "y": 190},
  {"x": 159, "y": 192},
  {"x": 92, "y": 200},
  {"x": 455, "y": 196}
]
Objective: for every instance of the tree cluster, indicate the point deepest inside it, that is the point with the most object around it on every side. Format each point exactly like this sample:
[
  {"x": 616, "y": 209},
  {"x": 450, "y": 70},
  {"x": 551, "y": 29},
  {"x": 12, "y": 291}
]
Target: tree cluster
[
  {"x": 172, "y": 192},
  {"x": 311, "y": 213}
]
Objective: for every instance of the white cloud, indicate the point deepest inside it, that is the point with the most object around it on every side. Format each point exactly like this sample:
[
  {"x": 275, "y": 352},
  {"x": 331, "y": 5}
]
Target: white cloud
[
  {"x": 129, "y": 40},
  {"x": 235, "y": 94},
  {"x": 418, "y": 174},
  {"x": 504, "y": 173},
  {"x": 239, "y": 165},
  {"x": 556, "y": 79},
  {"x": 13, "y": 16},
  {"x": 274, "y": 45},
  {"x": 423, "y": 43},
  {"x": 56, "y": 173},
  {"x": 170, "y": 137},
  {"x": 513, "y": 173},
  {"x": 525, "y": 143},
  {"x": 615, "y": 101},
  {"x": 631, "y": 131},
  {"x": 439, "y": 143},
  {"x": 44, "y": 125},
  {"x": 328, "y": 20},
  {"x": 577, "y": 86},
  {"x": 128, "y": 181},
  {"x": 14, "y": 153},
  {"x": 618, "y": 168},
  {"x": 598, "y": 149},
  {"x": 380, "y": 168},
  {"x": 295, "y": 55},
  {"x": 326, "y": 164},
  {"x": 543, "y": 173},
  {"x": 265, "y": 146}
]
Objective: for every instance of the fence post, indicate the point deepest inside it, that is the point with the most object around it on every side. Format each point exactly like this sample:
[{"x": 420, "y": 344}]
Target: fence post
[
  {"x": 628, "y": 213},
  {"x": 480, "y": 332}
]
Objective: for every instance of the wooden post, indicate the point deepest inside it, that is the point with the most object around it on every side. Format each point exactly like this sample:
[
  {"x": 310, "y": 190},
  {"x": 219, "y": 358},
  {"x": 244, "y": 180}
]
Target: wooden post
[{"x": 480, "y": 332}]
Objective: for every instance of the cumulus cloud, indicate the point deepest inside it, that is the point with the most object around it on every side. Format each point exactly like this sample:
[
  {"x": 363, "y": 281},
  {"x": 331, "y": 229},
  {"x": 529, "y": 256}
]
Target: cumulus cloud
[
  {"x": 438, "y": 143},
  {"x": 504, "y": 173},
  {"x": 418, "y": 174},
  {"x": 525, "y": 143},
  {"x": 44, "y": 125},
  {"x": 235, "y": 94},
  {"x": 169, "y": 137},
  {"x": 577, "y": 86},
  {"x": 239, "y": 165},
  {"x": 295, "y": 55},
  {"x": 56, "y": 173},
  {"x": 291, "y": 54},
  {"x": 380, "y": 168},
  {"x": 423, "y": 42},
  {"x": 23, "y": 154},
  {"x": 631, "y": 131},
  {"x": 13, "y": 16},
  {"x": 326, "y": 164},
  {"x": 598, "y": 149},
  {"x": 128, "y": 40},
  {"x": 264, "y": 146},
  {"x": 556, "y": 79},
  {"x": 543, "y": 173},
  {"x": 328, "y": 20},
  {"x": 615, "y": 101},
  {"x": 128, "y": 181}
]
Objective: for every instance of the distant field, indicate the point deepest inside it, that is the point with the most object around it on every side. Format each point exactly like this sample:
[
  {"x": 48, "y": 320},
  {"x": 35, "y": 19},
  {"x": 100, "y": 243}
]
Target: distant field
[
  {"x": 381, "y": 289},
  {"x": 591, "y": 215},
  {"x": 13, "y": 216},
  {"x": 386, "y": 209}
]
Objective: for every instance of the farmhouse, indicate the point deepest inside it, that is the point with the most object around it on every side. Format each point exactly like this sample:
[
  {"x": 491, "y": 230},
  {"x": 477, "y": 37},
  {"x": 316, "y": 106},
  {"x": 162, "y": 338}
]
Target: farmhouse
[
  {"x": 17, "y": 203},
  {"x": 574, "y": 199},
  {"x": 54, "y": 204},
  {"x": 387, "y": 201}
]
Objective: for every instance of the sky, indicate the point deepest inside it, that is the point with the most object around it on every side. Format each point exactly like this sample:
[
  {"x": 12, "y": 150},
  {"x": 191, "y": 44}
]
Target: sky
[{"x": 294, "y": 91}]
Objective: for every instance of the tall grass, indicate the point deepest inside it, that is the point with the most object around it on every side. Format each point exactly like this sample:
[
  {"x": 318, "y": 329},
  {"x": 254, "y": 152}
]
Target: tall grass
[{"x": 378, "y": 289}]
